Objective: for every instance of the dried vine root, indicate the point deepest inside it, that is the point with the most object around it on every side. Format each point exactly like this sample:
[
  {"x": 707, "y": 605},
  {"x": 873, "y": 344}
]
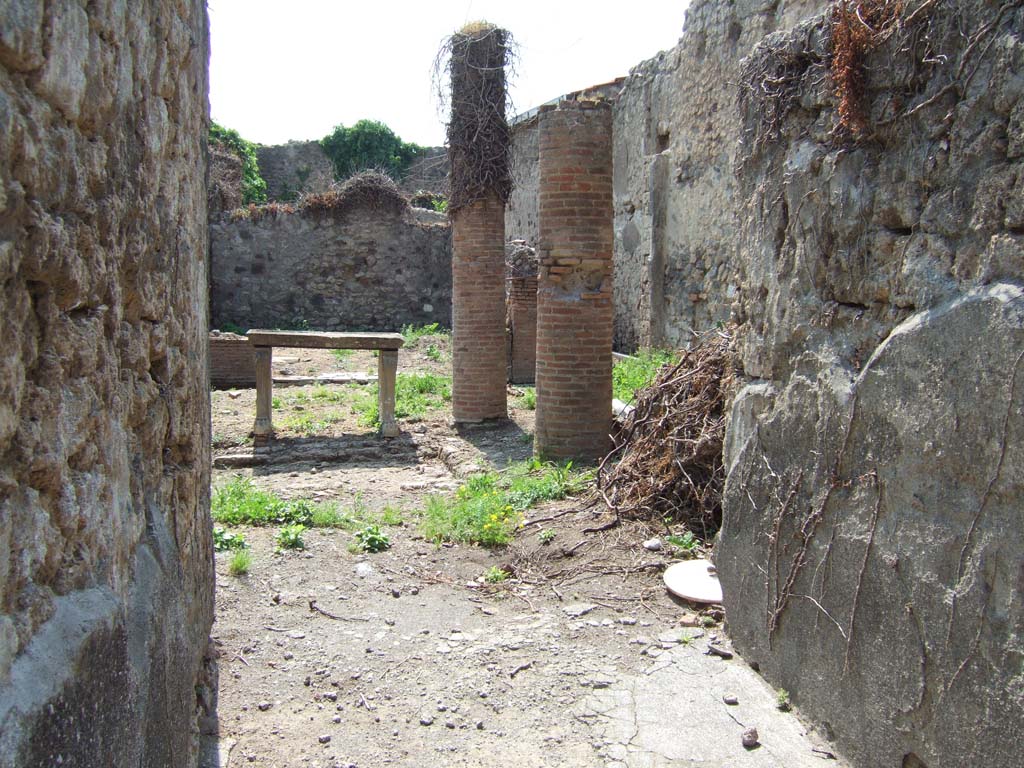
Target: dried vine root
[{"x": 667, "y": 461}]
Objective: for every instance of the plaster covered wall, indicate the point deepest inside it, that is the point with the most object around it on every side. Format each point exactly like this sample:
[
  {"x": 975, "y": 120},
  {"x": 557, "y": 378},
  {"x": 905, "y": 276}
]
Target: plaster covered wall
[
  {"x": 874, "y": 509},
  {"x": 362, "y": 269},
  {"x": 676, "y": 135},
  {"x": 106, "y": 565}
]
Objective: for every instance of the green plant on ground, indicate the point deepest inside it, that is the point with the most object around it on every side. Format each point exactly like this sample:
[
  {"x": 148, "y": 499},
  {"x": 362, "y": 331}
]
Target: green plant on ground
[
  {"x": 341, "y": 355},
  {"x": 415, "y": 395},
  {"x": 488, "y": 508},
  {"x": 254, "y": 188},
  {"x": 240, "y": 502},
  {"x": 495, "y": 575},
  {"x": 782, "y": 701},
  {"x": 685, "y": 542},
  {"x": 275, "y": 403},
  {"x": 528, "y": 400},
  {"x": 392, "y": 515},
  {"x": 413, "y": 333},
  {"x": 240, "y": 563},
  {"x": 371, "y": 539},
  {"x": 546, "y": 536},
  {"x": 224, "y": 540},
  {"x": 638, "y": 371},
  {"x": 434, "y": 353},
  {"x": 310, "y": 423},
  {"x": 290, "y": 537}
]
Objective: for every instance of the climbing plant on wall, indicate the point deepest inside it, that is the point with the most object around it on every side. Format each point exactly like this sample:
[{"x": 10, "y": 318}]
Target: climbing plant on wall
[
  {"x": 368, "y": 144},
  {"x": 254, "y": 188}
]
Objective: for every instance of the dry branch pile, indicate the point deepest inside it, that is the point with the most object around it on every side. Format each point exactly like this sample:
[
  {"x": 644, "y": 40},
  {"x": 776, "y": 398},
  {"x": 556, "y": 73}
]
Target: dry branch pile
[
  {"x": 667, "y": 461},
  {"x": 479, "y": 137}
]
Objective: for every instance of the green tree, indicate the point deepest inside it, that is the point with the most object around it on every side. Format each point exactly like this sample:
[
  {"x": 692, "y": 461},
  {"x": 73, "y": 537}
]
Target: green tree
[
  {"x": 368, "y": 144},
  {"x": 254, "y": 188}
]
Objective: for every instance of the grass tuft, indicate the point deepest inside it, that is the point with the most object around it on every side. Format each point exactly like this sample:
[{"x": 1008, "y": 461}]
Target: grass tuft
[
  {"x": 638, "y": 371},
  {"x": 240, "y": 563},
  {"x": 488, "y": 508}
]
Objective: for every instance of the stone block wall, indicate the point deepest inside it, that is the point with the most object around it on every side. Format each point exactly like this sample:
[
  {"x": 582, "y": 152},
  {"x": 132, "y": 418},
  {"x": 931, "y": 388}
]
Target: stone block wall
[
  {"x": 872, "y": 541},
  {"x": 106, "y": 563},
  {"x": 361, "y": 269},
  {"x": 574, "y": 297}
]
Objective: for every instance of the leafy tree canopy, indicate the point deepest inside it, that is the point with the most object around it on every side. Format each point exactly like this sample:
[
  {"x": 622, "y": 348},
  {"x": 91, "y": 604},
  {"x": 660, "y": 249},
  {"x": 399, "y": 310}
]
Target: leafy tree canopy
[
  {"x": 368, "y": 144},
  {"x": 254, "y": 188}
]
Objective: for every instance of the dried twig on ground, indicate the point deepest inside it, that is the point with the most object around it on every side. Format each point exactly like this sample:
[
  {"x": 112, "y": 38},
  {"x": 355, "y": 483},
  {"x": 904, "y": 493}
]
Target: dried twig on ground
[{"x": 667, "y": 462}]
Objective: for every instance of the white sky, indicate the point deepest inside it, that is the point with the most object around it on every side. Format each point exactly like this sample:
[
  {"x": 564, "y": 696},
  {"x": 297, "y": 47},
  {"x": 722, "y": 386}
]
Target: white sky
[{"x": 295, "y": 69}]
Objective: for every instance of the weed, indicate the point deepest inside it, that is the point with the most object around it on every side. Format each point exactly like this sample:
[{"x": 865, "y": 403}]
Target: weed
[
  {"x": 782, "y": 702},
  {"x": 275, "y": 403},
  {"x": 371, "y": 539},
  {"x": 488, "y": 508},
  {"x": 224, "y": 540},
  {"x": 528, "y": 400},
  {"x": 546, "y": 536},
  {"x": 412, "y": 333},
  {"x": 290, "y": 537},
  {"x": 707, "y": 622},
  {"x": 415, "y": 395},
  {"x": 240, "y": 563},
  {"x": 327, "y": 516},
  {"x": 392, "y": 515},
  {"x": 495, "y": 575},
  {"x": 434, "y": 353},
  {"x": 240, "y": 502},
  {"x": 341, "y": 355},
  {"x": 638, "y": 371},
  {"x": 686, "y": 542},
  {"x": 310, "y": 423}
]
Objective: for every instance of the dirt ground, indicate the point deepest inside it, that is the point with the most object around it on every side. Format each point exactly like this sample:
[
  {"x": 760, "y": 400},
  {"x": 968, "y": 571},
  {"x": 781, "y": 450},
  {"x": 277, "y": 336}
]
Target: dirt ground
[{"x": 408, "y": 657}]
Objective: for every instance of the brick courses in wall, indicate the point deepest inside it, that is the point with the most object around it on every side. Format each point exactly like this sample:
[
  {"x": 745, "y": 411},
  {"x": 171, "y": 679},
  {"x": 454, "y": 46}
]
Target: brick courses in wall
[
  {"x": 479, "y": 362},
  {"x": 574, "y": 298},
  {"x": 522, "y": 328}
]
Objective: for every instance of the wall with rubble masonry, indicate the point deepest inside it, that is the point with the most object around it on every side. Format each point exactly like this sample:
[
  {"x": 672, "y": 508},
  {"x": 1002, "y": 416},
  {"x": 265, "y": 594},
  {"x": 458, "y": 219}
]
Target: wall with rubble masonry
[
  {"x": 362, "y": 269},
  {"x": 872, "y": 543},
  {"x": 106, "y": 563}
]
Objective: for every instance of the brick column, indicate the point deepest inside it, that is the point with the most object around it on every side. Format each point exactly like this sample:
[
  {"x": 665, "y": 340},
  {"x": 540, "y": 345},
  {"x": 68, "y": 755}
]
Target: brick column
[
  {"x": 522, "y": 322},
  {"x": 478, "y": 311},
  {"x": 574, "y": 297}
]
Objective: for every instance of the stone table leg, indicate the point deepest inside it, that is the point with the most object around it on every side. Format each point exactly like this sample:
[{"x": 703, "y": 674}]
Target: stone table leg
[
  {"x": 387, "y": 372},
  {"x": 263, "y": 428}
]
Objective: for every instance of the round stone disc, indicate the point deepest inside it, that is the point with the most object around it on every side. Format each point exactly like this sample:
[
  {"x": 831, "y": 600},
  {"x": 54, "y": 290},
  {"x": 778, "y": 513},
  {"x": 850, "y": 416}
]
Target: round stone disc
[{"x": 694, "y": 580}]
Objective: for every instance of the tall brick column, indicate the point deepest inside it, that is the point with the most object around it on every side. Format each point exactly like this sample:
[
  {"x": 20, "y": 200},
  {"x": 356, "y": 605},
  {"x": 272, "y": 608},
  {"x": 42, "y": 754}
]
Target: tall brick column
[
  {"x": 574, "y": 297},
  {"x": 478, "y": 147},
  {"x": 479, "y": 364}
]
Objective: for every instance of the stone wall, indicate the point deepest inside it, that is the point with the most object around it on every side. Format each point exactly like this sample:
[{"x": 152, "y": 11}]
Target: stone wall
[
  {"x": 298, "y": 167},
  {"x": 522, "y": 214},
  {"x": 293, "y": 169},
  {"x": 676, "y": 135},
  {"x": 106, "y": 565},
  {"x": 872, "y": 544},
  {"x": 362, "y": 269}
]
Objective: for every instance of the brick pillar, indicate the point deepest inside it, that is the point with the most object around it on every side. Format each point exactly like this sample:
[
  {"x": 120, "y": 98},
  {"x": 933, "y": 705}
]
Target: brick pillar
[
  {"x": 574, "y": 297},
  {"x": 480, "y": 368},
  {"x": 522, "y": 321}
]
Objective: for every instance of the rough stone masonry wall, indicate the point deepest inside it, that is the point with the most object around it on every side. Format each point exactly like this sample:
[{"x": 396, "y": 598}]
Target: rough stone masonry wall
[
  {"x": 574, "y": 293},
  {"x": 106, "y": 566},
  {"x": 362, "y": 269},
  {"x": 294, "y": 169},
  {"x": 676, "y": 135},
  {"x": 873, "y": 534}
]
